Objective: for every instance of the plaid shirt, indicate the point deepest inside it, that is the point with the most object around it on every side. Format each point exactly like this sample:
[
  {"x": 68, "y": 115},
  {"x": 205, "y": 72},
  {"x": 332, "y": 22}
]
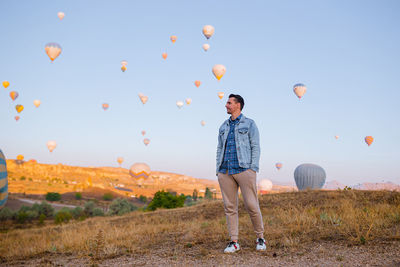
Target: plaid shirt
[{"x": 230, "y": 162}]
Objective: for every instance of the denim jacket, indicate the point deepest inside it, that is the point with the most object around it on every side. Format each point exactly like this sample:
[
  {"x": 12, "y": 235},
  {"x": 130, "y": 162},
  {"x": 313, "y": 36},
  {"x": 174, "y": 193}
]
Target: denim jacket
[{"x": 247, "y": 141}]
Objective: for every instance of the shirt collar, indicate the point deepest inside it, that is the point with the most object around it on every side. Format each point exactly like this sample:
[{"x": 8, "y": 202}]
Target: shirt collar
[{"x": 236, "y": 120}]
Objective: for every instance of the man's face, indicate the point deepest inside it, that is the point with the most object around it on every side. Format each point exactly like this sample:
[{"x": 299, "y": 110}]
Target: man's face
[{"x": 232, "y": 106}]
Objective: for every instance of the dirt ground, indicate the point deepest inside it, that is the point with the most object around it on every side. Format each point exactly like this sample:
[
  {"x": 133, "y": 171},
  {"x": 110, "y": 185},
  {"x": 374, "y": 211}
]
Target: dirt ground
[{"x": 319, "y": 254}]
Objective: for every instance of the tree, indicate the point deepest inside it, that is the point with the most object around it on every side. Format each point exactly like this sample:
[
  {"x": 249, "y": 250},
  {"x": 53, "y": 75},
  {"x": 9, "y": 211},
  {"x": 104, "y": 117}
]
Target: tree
[
  {"x": 195, "y": 194},
  {"x": 208, "y": 194},
  {"x": 53, "y": 196},
  {"x": 166, "y": 200}
]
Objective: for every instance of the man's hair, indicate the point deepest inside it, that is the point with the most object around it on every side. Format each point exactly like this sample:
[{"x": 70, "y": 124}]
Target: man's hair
[{"x": 238, "y": 99}]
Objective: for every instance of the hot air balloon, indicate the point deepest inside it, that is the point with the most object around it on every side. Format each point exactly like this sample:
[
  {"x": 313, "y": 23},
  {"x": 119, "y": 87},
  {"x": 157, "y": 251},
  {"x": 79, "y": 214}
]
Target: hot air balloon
[
  {"x": 278, "y": 165},
  {"x": 179, "y": 104},
  {"x": 143, "y": 98},
  {"x": 146, "y": 141},
  {"x": 53, "y": 50},
  {"x": 197, "y": 83},
  {"x": 120, "y": 160},
  {"x": 309, "y": 176},
  {"x": 203, "y": 123},
  {"x": 16, "y": 118},
  {"x": 19, "y": 108},
  {"x": 369, "y": 140},
  {"x": 219, "y": 71},
  {"x": 14, "y": 95},
  {"x": 264, "y": 186},
  {"x": 105, "y": 106},
  {"x": 336, "y": 137},
  {"x": 51, "y": 145},
  {"x": 3, "y": 180},
  {"x": 164, "y": 55},
  {"x": 20, "y": 157},
  {"x": 6, "y": 84},
  {"x": 143, "y": 132},
  {"x": 208, "y": 31},
  {"x": 123, "y": 65},
  {"x": 140, "y": 171},
  {"x": 173, "y": 38},
  {"x": 36, "y": 103},
  {"x": 60, "y": 15},
  {"x": 221, "y": 95},
  {"x": 188, "y": 101},
  {"x": 206, "y": 47},
  {"x": 299, "y": 89}
]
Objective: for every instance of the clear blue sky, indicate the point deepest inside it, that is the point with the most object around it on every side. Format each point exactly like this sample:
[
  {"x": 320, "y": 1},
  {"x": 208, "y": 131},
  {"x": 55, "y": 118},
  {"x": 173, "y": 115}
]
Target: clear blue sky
[{"x": 346, "y": 52}]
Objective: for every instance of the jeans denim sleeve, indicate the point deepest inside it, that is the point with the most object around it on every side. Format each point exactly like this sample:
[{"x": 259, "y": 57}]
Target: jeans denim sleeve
[
  {"x": 255, "y": 147},
  {"x": 219, "y": 151}
]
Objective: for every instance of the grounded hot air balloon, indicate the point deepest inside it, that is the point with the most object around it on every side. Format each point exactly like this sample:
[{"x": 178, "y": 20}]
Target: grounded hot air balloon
[
  {"x": 206, "y": 47},
  {"x": 299, "y": 89},
  {"x": 208, "y": 31},
  {"x": 53, "y": 50},
  {"x": 197, "y": 83},
  {"x": 203, "y": 123},
  {"x": 146, "y": 141},
  {"x": 369, "y": 140},
  {"x": 123, "y": 65},
  {"x": 336, "y": 137},
  {"x": 278, "y": 165},
  {"x": 219, "y": 71},
  {"x": 36, "y": 103},
  {"x": 164, "y": 55},
  {"x": 265, "y": 186},
  {"x": 6, "y": 84},
  {"x": 19, "y": 108},
  {"x": 143, "y": 98},
  {"x": 20, "y": 157},
  {"x": 14, "y": 95},
  {"x": 3, "y": 180},
  {"x": 16, "y": 118},
  {"x": 140, "y": 171},
  {"x": 173, "y": 38},
  {"x": 51, "y": 145},
  {"x": 105, "y": 106},
  {"x": 188, "y": 101},
  {"x": 60, "y": 15},
  {"x": 309, "y": 176},
  {"x": 179, "y": 104},
  {"x": 143, "y": 132},
  {"x": 120, "y": 160},
  {"x": 221, "y": 95}
]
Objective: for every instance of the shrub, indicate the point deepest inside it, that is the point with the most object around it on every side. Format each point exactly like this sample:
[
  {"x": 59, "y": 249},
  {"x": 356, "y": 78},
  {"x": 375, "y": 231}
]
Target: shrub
[
  {"x": 108, "y": 197},
  {"x": 42, "y": 217},
  {"x": 43, "y": 208},
  {"x": 62, "y": 216},
  {"x": 78, "y": 196},
  {"x": 22, "y": 178},
  {"x": 6, "y": 214},
  {"x": 121, "y": 206},
  {"x": 143, "y": 198},
  {"x": 89, "y": 207},
  {"x": 78, "y": 213},
  {"x": 166, "y": 200},
  {"x": 21, "y": 217},
  {"x": 98, "y": 212},
  {"x": 53, "y": 196}
]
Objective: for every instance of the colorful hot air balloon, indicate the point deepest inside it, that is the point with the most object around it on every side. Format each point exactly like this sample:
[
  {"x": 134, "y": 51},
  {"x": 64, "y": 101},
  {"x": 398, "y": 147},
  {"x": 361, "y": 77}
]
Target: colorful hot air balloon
[
  {"x": 53, "y": 50},
  {"x": 20, "y": 157},
  {"x": 173, "y": 38},
  {"x": 140, "y": 171},
  {"x": 197, "y": 83},
  {"x": 369, "y": 140},
  {"x": 188, "y": 101},
  {"x": 221, "y": 95},
  {"x": 143, "y": 98},
  {"x": 60, "y": 15},
  {"x": 336, "y": 137},
  {"x": 120, "y": 160},
  {"x": 3, "y": 180},
  {"x": 203, "y": 123},
  {"x": 51, "y": 145},
  {"x": 14, "y": 95},
  {"x": 19, "y": 108},
  {"x": 123, "y": 65},
  {"x": 164, "y": 55},
  {"x": 208, "y": 31},
  {"x": 143, "y": 132},
  {"x": 264, "y": 186},
  {"x": 105, "y": 106},
  {"x": 278, "y": 165},
  {"x": 6, "y": 84},
  {"x": 179, "y": 104},
  {"x": 16, "y": 118},
  {"x": 309, "y": 176},
  {"x": 219, "y": 71},
  {"x": 146, "y": 141},
  {"x": 206, "y": 47},
  {"x": 36, "y": 103},
  {"x": 299, "y": 89}
]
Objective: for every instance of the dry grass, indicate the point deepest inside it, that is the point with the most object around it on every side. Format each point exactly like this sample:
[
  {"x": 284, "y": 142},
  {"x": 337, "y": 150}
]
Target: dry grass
[{"x": 291, "y": 220}]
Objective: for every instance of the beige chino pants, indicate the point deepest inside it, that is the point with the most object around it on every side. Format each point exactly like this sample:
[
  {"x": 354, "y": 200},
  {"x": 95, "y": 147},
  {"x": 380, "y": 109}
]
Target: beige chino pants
[{"x": 229, "y": 187}]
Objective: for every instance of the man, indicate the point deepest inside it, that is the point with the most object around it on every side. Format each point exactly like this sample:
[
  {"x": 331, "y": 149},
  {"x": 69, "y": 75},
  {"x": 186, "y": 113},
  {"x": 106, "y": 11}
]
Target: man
[{"x": 238, "y": 155}]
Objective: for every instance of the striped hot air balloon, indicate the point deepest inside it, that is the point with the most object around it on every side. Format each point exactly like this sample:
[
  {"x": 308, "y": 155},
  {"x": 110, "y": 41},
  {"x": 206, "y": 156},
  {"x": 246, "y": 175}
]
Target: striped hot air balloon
[
  {"x": 3, "y": 180},
  {"x": 140, "y": 171}
]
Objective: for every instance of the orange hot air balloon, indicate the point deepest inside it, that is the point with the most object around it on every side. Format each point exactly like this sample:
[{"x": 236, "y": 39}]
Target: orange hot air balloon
[
  {"x": 143, "y": 98},
  {"x": 299, "y": 89},
  {"x": 197, "y": 83},
  {"x": 14, "y": 95},
  {"x": 164, "y": 55},
  {"x": 60, "y": 15},
  {"x": 206, "y": 47},
  {"x": 143, "y": 132},
  {"x": 105, "y": 106},
  {"x": 146, "y": 141},
  {"x": 203, "y": 123},
  {"x": 20, "y": 157},
  {"x": 208, "y": 31},
  {"x": 369, "y": 140},
  {"x": 123, "y": 65},
  {"x": 53, "y": 50},
  {"x": 51, "y": 145},
  {"x": 278, "y": 165},
  {"x": 16, "y": 118},
  {"x": 173, "y": 38},
  {"x": 36, "y": 103},
  {"x": 219, "y": 71},
  {"x": 6, "y": 84},
  {"x": 188, "y": 101},
  {"x": 336, "y": 137},
  {"x": 120, "y": 160},
  {"x": 221, "y": 95},
  {"x": 19, "y": 108}
]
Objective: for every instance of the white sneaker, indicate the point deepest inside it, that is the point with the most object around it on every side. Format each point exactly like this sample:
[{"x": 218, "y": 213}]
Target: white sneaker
[
  {"x": 261, "y": 244},
  {"x": 232, "y": 247}
]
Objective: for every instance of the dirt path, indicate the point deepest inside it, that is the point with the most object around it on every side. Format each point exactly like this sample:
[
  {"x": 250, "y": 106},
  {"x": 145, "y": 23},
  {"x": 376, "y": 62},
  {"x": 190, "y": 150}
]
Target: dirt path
[{"x": 321, "y": 254}]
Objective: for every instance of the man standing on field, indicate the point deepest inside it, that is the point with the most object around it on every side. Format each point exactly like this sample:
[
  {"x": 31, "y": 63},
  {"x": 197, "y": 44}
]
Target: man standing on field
[{"x": 238, "y": 155}]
